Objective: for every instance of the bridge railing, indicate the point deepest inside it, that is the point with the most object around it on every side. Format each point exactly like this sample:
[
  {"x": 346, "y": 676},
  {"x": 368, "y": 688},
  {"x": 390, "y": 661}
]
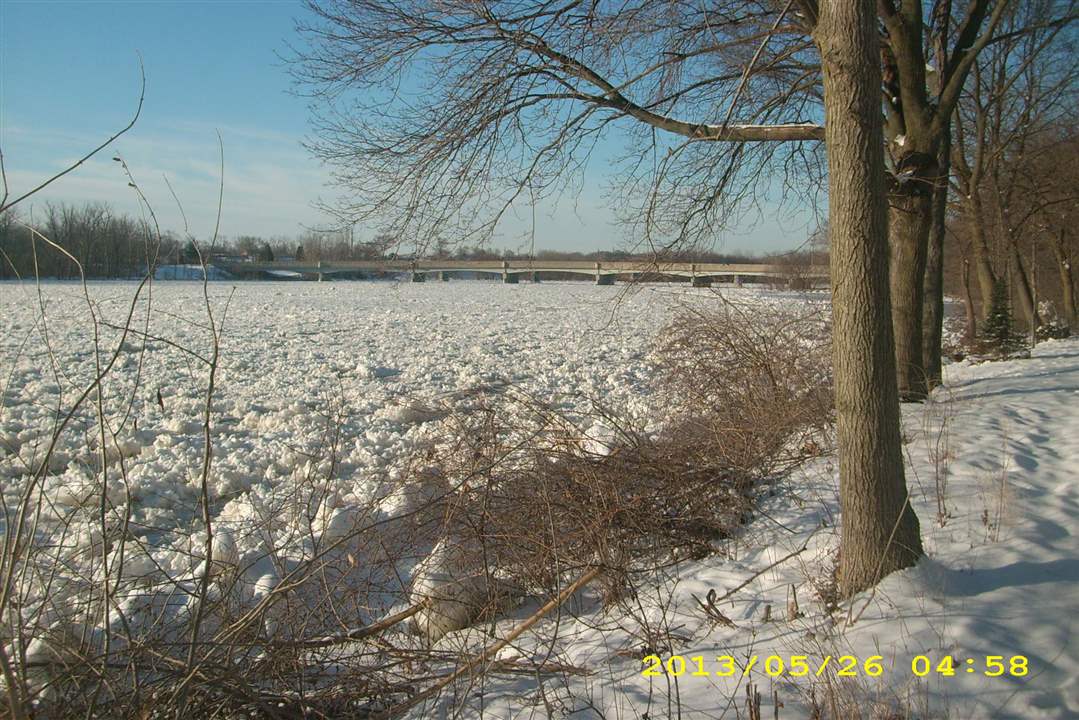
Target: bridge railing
[{"x": 583, "y": 267}]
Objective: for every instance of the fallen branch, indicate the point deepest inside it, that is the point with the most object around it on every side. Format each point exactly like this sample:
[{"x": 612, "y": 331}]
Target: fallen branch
[
  {"x": 550, "y": 668},
  {"x": 712, "y": 611},
  {"x": 492, "y": 650},
  {"x": 357, "y": 634},
  {"x": 757, "y": 574}
]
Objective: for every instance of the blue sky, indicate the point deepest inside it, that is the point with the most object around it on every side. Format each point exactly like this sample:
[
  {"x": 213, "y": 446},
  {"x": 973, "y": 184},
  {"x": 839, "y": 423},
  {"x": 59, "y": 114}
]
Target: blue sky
[{"x": 69, "y": 77}]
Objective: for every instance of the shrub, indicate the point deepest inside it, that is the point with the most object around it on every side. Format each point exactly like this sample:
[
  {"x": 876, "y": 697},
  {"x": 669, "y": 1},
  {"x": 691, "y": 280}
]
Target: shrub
[
  {"x": 753, "y": 383},
  {"x": 1053, "y": 327},
  {"x": 747, "y": 397}
]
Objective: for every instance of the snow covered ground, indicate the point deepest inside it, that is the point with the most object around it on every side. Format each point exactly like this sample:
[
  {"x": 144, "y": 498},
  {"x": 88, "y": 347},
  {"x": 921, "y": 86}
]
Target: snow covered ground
[
  {"x": 372, "y": 364},
  {"x": 1001, "y": 582}
]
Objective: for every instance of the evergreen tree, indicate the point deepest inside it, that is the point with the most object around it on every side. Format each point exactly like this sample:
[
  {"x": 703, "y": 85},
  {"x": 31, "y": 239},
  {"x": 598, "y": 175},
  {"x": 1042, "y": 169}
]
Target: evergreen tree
[
  {"x": 299, "y": 252},
  {"x": 190, "y": 254},
  {"x": 997, "y": 336},
  {"x": 265, "y": 253}
]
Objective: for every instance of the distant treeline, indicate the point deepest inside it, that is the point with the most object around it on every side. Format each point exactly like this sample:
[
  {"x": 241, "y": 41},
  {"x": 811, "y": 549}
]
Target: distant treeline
[
  {"x": 108, "y": 244},
  {"x": 105, "y": 243}
]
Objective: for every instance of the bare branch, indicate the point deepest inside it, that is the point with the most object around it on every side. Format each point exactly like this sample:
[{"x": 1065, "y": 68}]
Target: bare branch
[{"x": 4, "y": 206}]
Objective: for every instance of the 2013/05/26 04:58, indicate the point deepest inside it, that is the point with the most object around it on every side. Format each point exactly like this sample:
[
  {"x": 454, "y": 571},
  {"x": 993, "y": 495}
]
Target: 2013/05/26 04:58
[{"x": 843, "y": 665}]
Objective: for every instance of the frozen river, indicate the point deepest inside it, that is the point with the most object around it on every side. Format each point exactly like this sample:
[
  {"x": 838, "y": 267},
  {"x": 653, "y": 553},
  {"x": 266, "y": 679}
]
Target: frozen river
[{"x": 350, "y": 373}]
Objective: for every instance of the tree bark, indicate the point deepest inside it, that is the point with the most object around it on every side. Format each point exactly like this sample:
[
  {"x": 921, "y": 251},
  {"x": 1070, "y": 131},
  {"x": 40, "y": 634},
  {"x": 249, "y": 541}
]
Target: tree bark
[
  {"x": 933, "y": 317},
  {"x": 968, "y": 302},
  {"x": 967, "y": 178},
  {"x": 880, "y": 532},
  {"x": 1067, "y": 284},
  {"x": 1023, "y": 289},
  {"x": 983, "y": 266},
  {"x": 909, "y": 224}
]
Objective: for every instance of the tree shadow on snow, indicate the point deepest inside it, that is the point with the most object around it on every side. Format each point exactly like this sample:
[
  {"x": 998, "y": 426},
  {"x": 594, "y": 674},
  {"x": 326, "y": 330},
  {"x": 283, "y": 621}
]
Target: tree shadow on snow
[{"x": 969, "y": 583}]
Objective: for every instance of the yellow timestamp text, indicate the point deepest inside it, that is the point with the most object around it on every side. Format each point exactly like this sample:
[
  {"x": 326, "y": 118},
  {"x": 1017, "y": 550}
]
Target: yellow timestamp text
[{"x": 841, "y": 665}]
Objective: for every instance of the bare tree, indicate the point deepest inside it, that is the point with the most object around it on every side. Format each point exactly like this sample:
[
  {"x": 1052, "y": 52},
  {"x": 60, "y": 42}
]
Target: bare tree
[
  {"x": 1024, "y": 87},
  {"x": 96, "y": 238},
  {"x": 500, "y": 103},
  {"x": 1044, "y": 206},
  {"x": 513, "y": 97},
  {"x": 928, "y": 52},
  {"x": 1064, "y": 254},
  {"x": 880, "y": 529}
]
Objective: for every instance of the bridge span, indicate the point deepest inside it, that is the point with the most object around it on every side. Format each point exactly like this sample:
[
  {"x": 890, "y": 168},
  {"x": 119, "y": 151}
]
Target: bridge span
[{"x": 511, "y": 271}]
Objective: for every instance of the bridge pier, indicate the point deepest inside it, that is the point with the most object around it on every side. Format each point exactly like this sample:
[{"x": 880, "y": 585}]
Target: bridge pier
[
  {"x": 443, "y": 276},
  {"x": 738, "y": 280},
  {"x": 602, "y": 279},
  {"x": 320, "y": 271},
  {"x": 534, "y": 276},
  {"x": 508, "y": 278}
]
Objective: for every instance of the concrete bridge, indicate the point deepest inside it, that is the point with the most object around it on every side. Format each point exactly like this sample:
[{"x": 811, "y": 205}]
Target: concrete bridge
[{"x": 511, "y": 271}]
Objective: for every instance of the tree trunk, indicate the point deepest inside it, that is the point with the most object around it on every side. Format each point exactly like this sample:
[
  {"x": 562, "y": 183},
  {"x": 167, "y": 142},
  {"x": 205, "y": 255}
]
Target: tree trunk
[
  {"x": 1067, "y": 283},
  {"x": 909, "y": 224},
  {"x": 987, "y": 279},
  {"x": 933, "y": 317},
  {"x": 1023, "y": 288},
  {"x": 968, "y": 302},
  {"x": 880, "y": 533}
]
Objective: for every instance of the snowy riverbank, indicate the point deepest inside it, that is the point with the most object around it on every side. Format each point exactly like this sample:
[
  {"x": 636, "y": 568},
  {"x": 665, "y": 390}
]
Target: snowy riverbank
[{"x": 1001, "y": 582}]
